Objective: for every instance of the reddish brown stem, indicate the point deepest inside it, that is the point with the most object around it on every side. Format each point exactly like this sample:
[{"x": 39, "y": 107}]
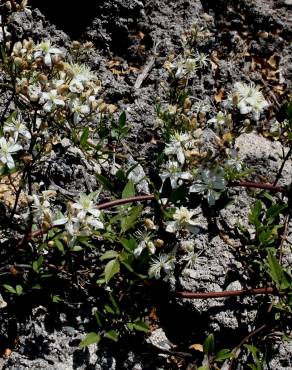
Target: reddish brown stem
[
  {"x": 118, "y": 202},
  {"x": 227, "y": 293},
  {"x": 257, "y": 185},
  {"x": 106, "y": 205},
  {"x": 141, "y": 198}
]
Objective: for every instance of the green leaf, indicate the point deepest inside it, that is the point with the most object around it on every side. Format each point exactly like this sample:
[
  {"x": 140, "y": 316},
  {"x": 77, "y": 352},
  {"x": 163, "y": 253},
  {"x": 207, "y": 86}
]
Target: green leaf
[
  {"x": 76, "y": 248},
  {"x": 100, "y": 281},
  {"x": 36, "y": 287},
  {"x": 36, "y": 265},
  {"x": 19, "y": 289},
  {"x": 166, "y": 189},
  {"x": 122, "y": 119},
  {"x": 98, "y": 315},
  {"x": 112, "y": 334},
  {"x": 59, "y": 245},
  {"x": 120, "y": 175},
  {"x": 178, "y": 194},
  {"x": 111, "y": 269},
  {"x": 276, "y": 272},
  {"x": 223, "y": 354},
  {"x": 208, "y": 345},
  {"x": 90, "y": 338},
  {"x": 109, "y": 255},
  {"x": 109, "y": 309},
  {"x": 254, "y": 216},
  {"x": 115, "y": 304},
  {"x": 105, "y": 182},
  {"x": 129, "y": 190},
  {"x": 130, "y": 220},
  {"x": 129, "y": 244},
  {"x": 84, "y": 137},
  {"x": 140, "y": 325},
  {"x": 56, "y": 298},
  {"x": 9, "y": 288}
]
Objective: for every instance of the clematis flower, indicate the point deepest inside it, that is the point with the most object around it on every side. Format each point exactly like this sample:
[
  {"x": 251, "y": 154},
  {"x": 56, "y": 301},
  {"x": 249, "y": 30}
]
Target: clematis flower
[
  {"x": 212, "y": 182},
  {"x": 78, "y": 109},
  {"x": 7, "y": 148},
  {"x": 182, "y": 221},
  {"x": 145, "y": 242},
  {"x": 86, "y": 206},
  {"x": 177, "y": 145},
  {"x": 16, "y": 127},
  {"x": 162, "y": 263},
  {"x": 51, "y": 100},
  {"x": 175, "y": 174},
  {"x": 45, "y": 51},
  {"x": 250, "y": 99}
]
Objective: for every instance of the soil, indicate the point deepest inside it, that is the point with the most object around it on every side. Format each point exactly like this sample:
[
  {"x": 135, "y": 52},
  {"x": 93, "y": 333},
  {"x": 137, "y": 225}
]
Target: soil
[{"x": 246, "y": 38}]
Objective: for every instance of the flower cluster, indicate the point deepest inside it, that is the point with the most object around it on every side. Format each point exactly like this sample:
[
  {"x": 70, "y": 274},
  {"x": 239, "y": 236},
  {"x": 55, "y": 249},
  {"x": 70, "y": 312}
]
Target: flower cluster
[
  {"x": 81, "y": 217},
  {"x": 67, "y": 91},
  {"x": 187, "y": 66},
  {"x": 248, "y": 99}
]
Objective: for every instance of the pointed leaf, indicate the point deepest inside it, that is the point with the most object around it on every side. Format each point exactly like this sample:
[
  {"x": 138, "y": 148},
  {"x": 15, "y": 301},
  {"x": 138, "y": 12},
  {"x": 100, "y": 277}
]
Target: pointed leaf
[
  {"x": 90, "y": 338},
  {"x": 111, "y": 269},
  {"x": 129, "y": 190},
  {"x": 112, "y": 334}
]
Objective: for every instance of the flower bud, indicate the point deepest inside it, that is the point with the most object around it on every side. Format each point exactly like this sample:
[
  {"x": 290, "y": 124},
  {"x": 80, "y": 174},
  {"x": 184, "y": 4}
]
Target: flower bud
[
  {"x": 187, "y": 103},
  {"x": 159, "y": 243},
  {"x": 76, "y": 44},
  {"x": 62, "y": 89},
  {"x": 111, "y": 108},
  {"x": 18, "y": 61},
  {"x": 43, "y": 78},
  {"x": 149, "y": 224},
  {"x": 88, "y": 45}
]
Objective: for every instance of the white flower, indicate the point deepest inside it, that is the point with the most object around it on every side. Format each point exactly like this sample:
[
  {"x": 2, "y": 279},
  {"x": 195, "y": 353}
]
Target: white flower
[
  {"x": 218, "y": 119},
  {"x": 51, "y": 100},
  {"x": 175, "y": 174},
  {"x": 177, "y": 144},
  {"x": 93, "y": 222},
  {"x": 187, "y": 245},
  {"x": 86, "y": 206},
  {"x": 190, "y": 65},
  {"x": 202, "y": 59},
  {"x": 78, "y": 109},
  {"x": 42, "y": 206},
  {"x": 190, "y": 260},
  {"x": 145, "y": 242},
  {"x": 7, "y": 148},
  {"x": 250, "y": 99},
  {"x": 45, "y": 51},
  {"x": 211, "y": 183},
  {"x": 16, "y": 127},
  {"x": 80, "y": 72},
  {"x": 34, "y": 92},
  {"x": 183, "y": 220},
  {"x": 163, "y": 263}
]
